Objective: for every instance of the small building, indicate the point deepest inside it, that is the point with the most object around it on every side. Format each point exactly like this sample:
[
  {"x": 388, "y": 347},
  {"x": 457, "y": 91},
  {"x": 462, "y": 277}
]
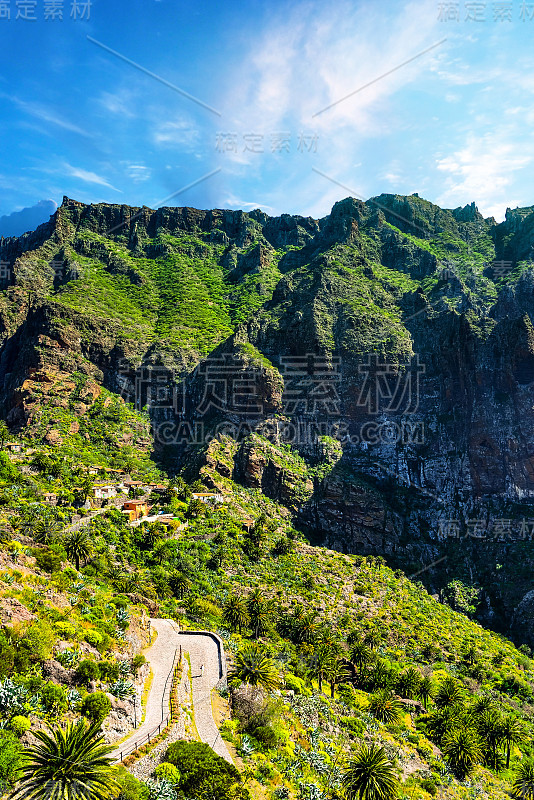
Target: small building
[
  {"x": 136, "y": 509},
  {"x": 50, "y": 497},
  {"x": 129, "y": 484},
  {"x": 208, "y": 497},
  {"x": 104, "y": 491},
  {"x": 248, "y": 524},
  {"x": 14, "y": 447}
]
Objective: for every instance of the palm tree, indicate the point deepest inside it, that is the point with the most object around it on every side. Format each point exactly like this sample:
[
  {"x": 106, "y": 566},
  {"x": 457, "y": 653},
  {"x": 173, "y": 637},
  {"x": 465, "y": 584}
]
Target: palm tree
[
  {"x": 360, "y": 655},
  {"x": 512, "y": 732},
  {"x": 426, "y": 690},
  {"x": 489, "y": 725},
  {"x": 77, "y": 546},
  {"x": 462, "y": 748},
  {"x": 72, "y": 763},
  {"x": 260, "y": 612},
  {"x": 370, "y": 775},
  {"x": 523, "y": 787},
  {"x": 335, "y": 673},
  {"x": 321, "y": 662},
  {"x": 235, "y": 613},
  {"x": 449, "y": 693},
  {"x": 306, "y": 627},
  {"x": 46, "y": 531},
  {"x": 373, "y": 638},
  {"x": 253, "y": 666},
  {"x": 179, "y": 584},
  {"x": 385, "y": 707},
  {"x": 408, "y": 683}
]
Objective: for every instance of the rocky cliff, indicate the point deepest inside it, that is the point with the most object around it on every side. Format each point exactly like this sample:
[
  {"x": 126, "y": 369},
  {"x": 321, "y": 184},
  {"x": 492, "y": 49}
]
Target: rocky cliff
[{"x": 373, "y": 370}]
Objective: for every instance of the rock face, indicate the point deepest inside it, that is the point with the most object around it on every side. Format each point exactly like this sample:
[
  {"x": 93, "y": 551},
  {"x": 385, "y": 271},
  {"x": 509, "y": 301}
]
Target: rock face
[{"x": 373, "y": 370}]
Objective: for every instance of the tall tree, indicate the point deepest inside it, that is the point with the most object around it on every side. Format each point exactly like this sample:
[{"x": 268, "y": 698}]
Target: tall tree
[
  {"x": 78, "y": 546},
  {"x": 235, "y": 613},
  {"x": 253, "y": 666},
  {"x": 370, "y": 775},
  {"x": 71, "y": 763}
]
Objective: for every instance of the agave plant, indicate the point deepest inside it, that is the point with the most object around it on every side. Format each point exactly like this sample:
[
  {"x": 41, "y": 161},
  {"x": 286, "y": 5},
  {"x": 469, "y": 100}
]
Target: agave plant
[
  {"x": 125, "y": 668},
  {"x": 122, "y": 689},
  {"x": 73, "y": 698},
  {"x": 161, "y": 790},
  {"x": 246, "y": 747},
  {"x": 68, "y": 658},
  {"x": 12, "y": 696},
  {"x": 123, "y": 618}
]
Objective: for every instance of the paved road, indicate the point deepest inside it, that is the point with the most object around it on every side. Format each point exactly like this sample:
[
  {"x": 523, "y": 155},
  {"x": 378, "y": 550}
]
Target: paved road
[
  {"x": 161, "y": 658},
  {"x": 203, "y": 650}
]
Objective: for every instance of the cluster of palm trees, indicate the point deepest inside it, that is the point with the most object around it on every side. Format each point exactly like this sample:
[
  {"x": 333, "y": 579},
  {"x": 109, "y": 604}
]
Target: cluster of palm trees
[
  {"x": 255, "y": 612},
  {"x": 47, "y": 530}
]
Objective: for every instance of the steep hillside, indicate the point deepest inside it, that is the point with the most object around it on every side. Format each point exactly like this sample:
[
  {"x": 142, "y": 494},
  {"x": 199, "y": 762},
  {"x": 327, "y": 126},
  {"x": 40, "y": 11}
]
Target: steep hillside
[{"x": 372, "y": 371}]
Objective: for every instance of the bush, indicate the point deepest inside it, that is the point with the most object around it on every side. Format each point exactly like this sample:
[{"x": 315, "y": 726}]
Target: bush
[
  {"x": 96, "y": 706},
  {"x": 54, "y": 698},
  {"x": 167, "y": 772},
  {"x": 138, "y": 662},
  {"x": 47, "y": 560},
  {"x": 87, "y": 671},
  {"x": 109, "y": 670},
  {"x": 93, "y": 638},
  {"x": 10, "y": 757},
  {"x": 266, "y": 736},
  {"x": 202, "y": 771},
  {"x": 429, "y": 786},
  {"x": 130, "y": 787},
  {"x": 19, "y": 725}
]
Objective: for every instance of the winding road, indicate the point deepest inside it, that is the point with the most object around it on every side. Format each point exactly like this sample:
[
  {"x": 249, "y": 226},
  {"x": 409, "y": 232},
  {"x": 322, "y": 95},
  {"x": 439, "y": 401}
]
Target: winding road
[{"x": 207, "y": 668}]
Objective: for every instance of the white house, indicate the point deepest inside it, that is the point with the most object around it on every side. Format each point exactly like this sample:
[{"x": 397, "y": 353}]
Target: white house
[{"x": 208, "y": 497}]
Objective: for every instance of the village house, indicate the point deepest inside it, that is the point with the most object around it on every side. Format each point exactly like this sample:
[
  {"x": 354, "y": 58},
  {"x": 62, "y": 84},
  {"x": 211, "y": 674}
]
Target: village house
[
  {"x": 103, "y": 491},
  {"x": 50, "y": 497},
  {"x": 14, "y": 447},
  {"x": 208, "y": 497},
  {"x": 136, "y": 509}
]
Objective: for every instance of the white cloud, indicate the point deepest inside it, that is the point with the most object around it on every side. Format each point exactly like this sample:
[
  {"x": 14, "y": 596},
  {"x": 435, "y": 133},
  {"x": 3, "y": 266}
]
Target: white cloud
[
  {"x": 46, "y": 114},
  {"x": 138, "y": 173},
  {"x": 175, "y": 133},
  {"x": 309, "y": 58},
  {"x": 483, "y": 170},
  {"x": 87, "y": 176}
]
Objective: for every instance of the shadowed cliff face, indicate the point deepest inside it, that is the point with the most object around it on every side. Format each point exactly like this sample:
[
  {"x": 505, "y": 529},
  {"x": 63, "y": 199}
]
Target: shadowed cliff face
[{"x": 373, "y": 370}]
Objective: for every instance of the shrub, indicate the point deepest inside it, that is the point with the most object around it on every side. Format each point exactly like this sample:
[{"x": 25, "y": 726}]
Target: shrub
[
  {"x": 109, "y": 670},
  {"x": 429, "y": 786},
  {"x": 266, "y": 735},
  {"x": 54, "y": 698},
  {"x": 47, "y": 560},
  {"x": 138, "y": 661},
  {"x": 19, "y": 725},
  {"x": 96, "y": 706},
  {"x": 168, "y": 772},
  {"x": 130, "y": 787},
  {"x": 87, "y": 671},
  {"x": 10, "y": 757},
  {"x": 202, "y": 771},
  {"x": 93, "y": 638}
]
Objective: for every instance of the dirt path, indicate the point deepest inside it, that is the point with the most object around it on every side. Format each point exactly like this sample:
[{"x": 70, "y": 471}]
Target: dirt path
[{"x": 203, "y": 650}]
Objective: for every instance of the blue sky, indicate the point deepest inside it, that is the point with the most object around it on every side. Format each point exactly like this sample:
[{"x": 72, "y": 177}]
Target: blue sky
[{"x": 454, "y": 124}]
